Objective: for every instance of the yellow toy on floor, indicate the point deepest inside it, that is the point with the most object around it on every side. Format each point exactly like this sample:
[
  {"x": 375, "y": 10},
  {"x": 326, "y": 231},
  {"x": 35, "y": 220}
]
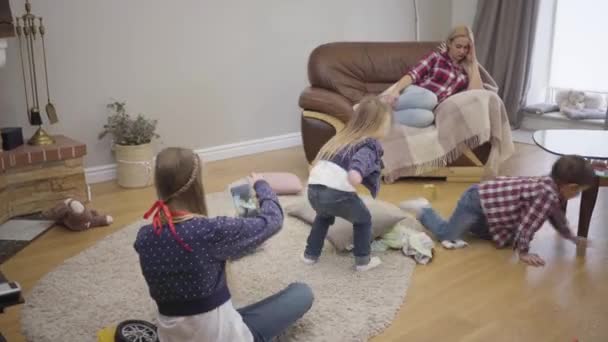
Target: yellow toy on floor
[
  {"x": 106, "y": 334},
  {"x": 129, "y": 330}
]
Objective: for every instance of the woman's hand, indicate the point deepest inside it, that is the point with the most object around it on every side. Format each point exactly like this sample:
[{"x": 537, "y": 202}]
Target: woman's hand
[
  {"x": 390, "y": 97},
  {"x": 471, "y": 59},
  {"x": 471, "y": 65},
  {"x": 391, "y": 94},
  {"x": 443, "y": 47}
]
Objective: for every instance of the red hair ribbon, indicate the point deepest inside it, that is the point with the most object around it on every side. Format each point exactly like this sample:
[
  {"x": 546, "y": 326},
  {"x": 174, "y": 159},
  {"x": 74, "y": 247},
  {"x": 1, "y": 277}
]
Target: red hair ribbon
[{"x": 159, "y": 208}]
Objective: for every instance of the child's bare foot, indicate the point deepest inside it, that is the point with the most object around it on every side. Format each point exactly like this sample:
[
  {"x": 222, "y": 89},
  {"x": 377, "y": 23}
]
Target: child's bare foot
[
  {"x": 454, "y": 244},
  {"x": 373, "y": 263},
  {"x": 415, "y": 206}
]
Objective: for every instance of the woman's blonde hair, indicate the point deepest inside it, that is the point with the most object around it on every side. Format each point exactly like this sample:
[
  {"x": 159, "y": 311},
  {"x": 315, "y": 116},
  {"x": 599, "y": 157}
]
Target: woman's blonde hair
[
  {"x": 458, "y": 31},
  {"x": 179, "y": 181},
  {"x": 369, "y": 119}
]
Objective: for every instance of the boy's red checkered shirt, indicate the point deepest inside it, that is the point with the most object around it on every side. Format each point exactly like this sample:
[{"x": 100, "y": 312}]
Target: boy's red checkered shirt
[{"x": 517, "y": 207}]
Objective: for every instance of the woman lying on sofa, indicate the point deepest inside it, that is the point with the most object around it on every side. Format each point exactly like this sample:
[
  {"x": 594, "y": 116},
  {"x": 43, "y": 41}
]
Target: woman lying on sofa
[{"x": 437, "y": 76}]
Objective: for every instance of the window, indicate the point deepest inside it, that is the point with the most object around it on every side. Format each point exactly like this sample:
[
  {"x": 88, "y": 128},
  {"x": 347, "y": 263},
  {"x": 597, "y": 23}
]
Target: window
[{"x": 579, "y": 58}]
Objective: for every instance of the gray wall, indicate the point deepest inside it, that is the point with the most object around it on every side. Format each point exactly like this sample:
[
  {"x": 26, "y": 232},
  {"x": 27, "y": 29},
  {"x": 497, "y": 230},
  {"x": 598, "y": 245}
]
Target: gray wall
[
  {"x": 463, "y": 12},
  {"x": 212, "y": 72}
]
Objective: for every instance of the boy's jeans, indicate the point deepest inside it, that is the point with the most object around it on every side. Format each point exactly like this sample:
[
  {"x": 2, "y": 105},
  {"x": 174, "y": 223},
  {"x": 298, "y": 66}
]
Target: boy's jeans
[
  {"x": 329, "y": 203},
  {"x": 468, "y": 216}
]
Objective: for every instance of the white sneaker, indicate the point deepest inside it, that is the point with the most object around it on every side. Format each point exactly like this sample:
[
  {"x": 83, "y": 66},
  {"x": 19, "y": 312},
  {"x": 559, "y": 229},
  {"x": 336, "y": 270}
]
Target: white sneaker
[
  {"x": 373, "y": 263},
  {"x": 307, "y": 260},
  {"x": 454, "y": 244},
  {"x": 415, "y": 205}
]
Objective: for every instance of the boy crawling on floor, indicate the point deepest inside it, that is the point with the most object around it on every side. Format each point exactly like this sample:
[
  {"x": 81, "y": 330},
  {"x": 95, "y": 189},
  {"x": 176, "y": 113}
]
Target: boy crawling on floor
[{"x": 509, "y": 210}]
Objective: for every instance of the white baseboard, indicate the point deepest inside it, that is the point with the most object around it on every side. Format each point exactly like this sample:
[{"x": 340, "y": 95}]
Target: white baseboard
[
  {"x": 249, "y": 147},
  {"x": 98, "y": 174},
  {"x": 103, "y": 173}
]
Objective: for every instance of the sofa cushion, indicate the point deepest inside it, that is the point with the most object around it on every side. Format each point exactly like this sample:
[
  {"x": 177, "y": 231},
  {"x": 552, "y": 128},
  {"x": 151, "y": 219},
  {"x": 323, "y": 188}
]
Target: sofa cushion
[{"x": 357, "y": 69}]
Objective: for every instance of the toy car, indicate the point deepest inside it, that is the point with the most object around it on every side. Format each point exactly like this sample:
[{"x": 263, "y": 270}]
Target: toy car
[{"x": 136, "y": 331}]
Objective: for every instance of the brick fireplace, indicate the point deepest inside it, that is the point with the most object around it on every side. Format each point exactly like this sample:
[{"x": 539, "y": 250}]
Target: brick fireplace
[{"x": 35, "y": 178}]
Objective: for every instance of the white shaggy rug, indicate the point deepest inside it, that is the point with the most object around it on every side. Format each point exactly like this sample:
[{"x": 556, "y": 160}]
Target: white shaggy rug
[{"x": 103, "y": 286}]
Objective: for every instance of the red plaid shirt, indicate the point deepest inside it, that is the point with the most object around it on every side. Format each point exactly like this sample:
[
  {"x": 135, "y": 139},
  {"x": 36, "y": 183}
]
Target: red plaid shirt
[
  {"x": 516, "y": 207},
  {"x": 439, "y": 74}
]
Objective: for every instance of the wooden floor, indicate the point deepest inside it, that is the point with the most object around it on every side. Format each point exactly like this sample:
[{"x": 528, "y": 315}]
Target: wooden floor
[{"x": 475, "y": 294}]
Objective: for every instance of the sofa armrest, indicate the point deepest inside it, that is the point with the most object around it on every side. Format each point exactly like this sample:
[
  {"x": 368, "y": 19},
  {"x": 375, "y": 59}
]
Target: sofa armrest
[
  {"x": 325, "y": 101},
  {"x": 328, "y": 119},
  {"x": 488, "y": 81}
]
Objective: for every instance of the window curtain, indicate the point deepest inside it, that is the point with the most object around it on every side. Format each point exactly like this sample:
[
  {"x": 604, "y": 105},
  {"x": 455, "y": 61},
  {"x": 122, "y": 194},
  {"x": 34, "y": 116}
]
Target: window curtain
[
  {"x": 6, "y": 20},
  {"x": 504, "y": 39}
]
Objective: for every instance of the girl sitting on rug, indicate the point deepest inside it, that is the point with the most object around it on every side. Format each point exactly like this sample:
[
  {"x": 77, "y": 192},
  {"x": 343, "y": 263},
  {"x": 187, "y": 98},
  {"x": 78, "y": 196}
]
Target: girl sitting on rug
[
  {"x": 183, "y": 257},
  {"x": 352, "y": 157}
]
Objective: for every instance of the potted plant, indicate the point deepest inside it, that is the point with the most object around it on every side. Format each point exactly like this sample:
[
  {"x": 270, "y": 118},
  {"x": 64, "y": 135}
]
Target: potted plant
[{"x": 132, "y": 145}]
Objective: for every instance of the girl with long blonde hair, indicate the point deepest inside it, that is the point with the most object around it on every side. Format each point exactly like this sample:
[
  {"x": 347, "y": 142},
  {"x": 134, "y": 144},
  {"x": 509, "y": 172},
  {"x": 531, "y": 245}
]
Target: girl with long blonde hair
[
  {"x": 352, "y": 157},
  {"x": 183, "y": 256}
]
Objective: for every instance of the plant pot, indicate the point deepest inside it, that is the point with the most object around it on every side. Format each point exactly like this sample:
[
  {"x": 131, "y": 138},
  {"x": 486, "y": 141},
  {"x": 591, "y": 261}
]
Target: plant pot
[{"x": 135, "y": 165}]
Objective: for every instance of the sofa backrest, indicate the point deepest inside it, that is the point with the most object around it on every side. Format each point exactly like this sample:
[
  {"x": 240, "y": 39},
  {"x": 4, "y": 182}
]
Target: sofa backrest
[{"x": 357, "y": 69}]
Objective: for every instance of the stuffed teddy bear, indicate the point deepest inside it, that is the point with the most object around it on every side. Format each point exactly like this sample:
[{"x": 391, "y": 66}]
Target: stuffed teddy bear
[{"x": 75, "y": 216}]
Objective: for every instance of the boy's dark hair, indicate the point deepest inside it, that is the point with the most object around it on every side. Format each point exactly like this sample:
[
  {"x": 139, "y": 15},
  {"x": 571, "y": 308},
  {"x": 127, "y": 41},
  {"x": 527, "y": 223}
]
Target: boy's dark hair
[{"x": 573, "y": 169}]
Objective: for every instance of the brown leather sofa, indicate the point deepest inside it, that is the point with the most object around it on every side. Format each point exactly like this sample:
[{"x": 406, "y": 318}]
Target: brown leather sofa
[{"x": 340, "y": 74}]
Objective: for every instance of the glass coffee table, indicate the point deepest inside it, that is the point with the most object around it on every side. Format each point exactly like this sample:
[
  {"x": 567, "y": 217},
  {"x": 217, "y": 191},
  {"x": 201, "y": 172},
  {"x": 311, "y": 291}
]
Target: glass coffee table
[{"x": 590, "y": 144}]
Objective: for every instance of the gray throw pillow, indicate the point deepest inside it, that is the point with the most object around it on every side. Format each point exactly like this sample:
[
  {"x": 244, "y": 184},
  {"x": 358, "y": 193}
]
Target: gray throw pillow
[{"x": 384, "y": 217}]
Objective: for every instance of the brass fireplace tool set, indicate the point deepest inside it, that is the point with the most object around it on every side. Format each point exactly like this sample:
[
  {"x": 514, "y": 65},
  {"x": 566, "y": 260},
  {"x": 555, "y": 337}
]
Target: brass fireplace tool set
[{"x": 28, "y": 27}]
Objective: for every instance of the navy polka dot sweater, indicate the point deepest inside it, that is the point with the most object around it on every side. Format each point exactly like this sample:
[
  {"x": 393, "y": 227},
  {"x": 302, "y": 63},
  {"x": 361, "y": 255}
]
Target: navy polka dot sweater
[
  {"x": 366, "y": 158},
  {"x": 188, "y": 283}
]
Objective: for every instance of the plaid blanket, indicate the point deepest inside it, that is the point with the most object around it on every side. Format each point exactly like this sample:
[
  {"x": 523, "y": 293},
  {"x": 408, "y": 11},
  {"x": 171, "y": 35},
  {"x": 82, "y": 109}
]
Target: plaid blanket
[{"x": 464, "y": 120}]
